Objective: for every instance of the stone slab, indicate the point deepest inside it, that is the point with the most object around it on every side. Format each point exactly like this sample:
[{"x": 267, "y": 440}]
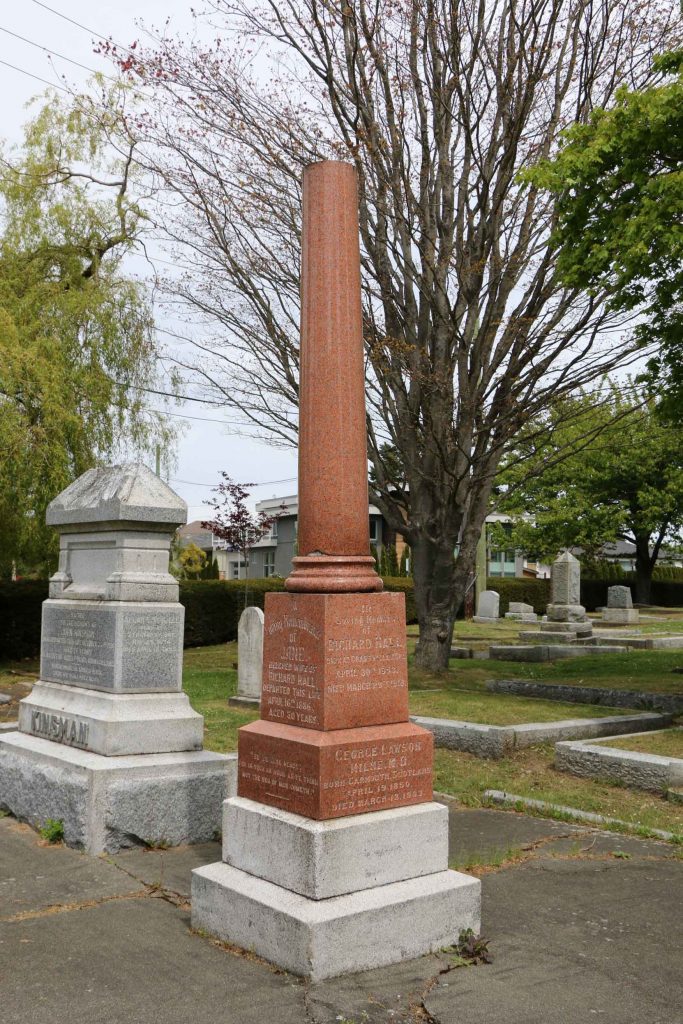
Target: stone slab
[
  {"x": 604, "y": 695},
  {"x": 484, "y": 620},
  {"x": 547, "y": 636},
  {"x": 496, "y": 741},
  {"x": 621, "y": 616},
  {"x": 628, "y": 767},
  {"x": 107, "y": 803},
  {"x": 250, "y": 654},
  {"x": 249, "y": 703},
  {"x": 619, "y": 597},
  {"x": 578, "y": 628},
  {"x": 334, "y": 661},
  {"x": 128, "y": 647},
  {"x": 111, "y": 723},
  {"x": 521, "y": 608},
  {"x": 321, "y": 859},
  {"x": 325, "y": 938},
  {"x": 332, "y": 774},
  {"x": 518, "y": 652},
  {"x": 522, "y": 616}
]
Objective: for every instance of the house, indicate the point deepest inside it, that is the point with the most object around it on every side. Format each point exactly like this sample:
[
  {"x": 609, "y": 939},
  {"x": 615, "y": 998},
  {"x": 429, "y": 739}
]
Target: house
[{"x": 272, "y": 555}]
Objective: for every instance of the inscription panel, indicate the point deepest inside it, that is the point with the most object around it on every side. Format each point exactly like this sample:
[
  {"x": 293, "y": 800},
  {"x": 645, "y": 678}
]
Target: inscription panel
[
  {"x": 112, "y": 647},
  {"x": 151, "y": 645},
  {"x": 392, "y": 768},
  {"x": 60, "y": 728},
  {"x": 334, "y": 661},
  {"x": 78, "y": 644}
]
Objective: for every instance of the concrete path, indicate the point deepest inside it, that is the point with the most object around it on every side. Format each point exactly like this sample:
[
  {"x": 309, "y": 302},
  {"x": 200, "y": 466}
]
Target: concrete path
[{"x": 577, "y": 934}]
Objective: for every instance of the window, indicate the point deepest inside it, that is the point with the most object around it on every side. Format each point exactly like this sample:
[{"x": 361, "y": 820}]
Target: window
[
  {"x": 374, "y": 531},
  {"x": 269, "y": 563},
  {"x": 273, "y": 529}
]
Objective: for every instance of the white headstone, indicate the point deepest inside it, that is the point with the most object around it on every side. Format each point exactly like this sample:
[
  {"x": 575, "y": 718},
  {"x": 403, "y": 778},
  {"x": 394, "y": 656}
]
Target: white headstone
[
  {"x": 519, "y": 608},
  {"x": 619, "y": 597},
  {"x": 488, "y": 606},
  {"x": 250, "y": 654}
]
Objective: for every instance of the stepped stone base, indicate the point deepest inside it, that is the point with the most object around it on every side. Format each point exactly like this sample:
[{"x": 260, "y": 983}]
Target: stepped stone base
[
  {"x": 109, "y": 803},
  {"x": 621, "y": 616},
  {"x": 111, "y": 723},
  {"x": 325, "y": 938}
]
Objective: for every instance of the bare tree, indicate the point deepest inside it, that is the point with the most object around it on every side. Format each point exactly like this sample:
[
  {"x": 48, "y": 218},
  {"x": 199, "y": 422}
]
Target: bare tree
[{"x": 469, "y": 333}]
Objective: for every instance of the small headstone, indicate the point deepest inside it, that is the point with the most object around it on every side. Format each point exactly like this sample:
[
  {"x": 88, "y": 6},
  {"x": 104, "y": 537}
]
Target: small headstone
[
  {"x": 620, "y": 610},
  {"x": 249, "y": 658},
  {"x": 565, "y": 590},
  {"x": 488, "y": 606},
  {"x": 518, "y": 611},
  {"x": 619, "y": 597}
]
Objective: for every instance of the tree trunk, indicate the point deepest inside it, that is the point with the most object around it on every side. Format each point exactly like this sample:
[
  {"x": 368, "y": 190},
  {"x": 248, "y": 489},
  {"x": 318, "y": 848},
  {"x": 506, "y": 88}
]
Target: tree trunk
[
  {"x": 435, "y": 600},
  {"x": 644, "y": 568}
]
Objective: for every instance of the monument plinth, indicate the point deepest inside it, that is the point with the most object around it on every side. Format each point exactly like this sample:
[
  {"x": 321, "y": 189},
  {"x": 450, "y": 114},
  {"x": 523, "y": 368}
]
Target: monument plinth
[
  {"x": 335, "y": 858},
  {"x": 107, "y": 740}
]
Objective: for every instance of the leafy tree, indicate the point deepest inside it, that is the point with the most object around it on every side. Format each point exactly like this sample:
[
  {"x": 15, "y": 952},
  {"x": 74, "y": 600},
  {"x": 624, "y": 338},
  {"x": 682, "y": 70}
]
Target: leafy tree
[
  {"x": 469, "y": 329},
  {"x": 192, "y": 561},
  {"x": 610, "y": 470},
  {"x": 618, "y": 181},
  {"x": 76, "y": 334},
  {"x": 235, "y": 524}
]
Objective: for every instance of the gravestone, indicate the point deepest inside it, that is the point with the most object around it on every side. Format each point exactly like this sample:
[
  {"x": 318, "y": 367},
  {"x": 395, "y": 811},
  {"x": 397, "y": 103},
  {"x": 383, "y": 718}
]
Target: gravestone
[
  {"x": 565, "y": 590},
  {"x": 108, "y": 742},
  {"x": 335, "y": 857},
  {"x": 620, "y": 610},
  {"x": 488, "y": 606},
  {"x": 518, "y": 611},
  {"x": 249, "y": 659}
]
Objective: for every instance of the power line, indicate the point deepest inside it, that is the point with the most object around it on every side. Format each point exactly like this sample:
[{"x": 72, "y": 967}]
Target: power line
[
  {"x": 45, "y": 49},
  {"x": 90, "y": 31},
  {"x": 30, "y": 74},
  {"x": 167, "y": 394},
  {"x": 262, "y": 483}
]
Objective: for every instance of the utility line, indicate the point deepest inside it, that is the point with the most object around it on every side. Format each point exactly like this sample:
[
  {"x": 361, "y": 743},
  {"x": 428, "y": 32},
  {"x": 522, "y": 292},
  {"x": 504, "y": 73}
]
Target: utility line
[
  {"x": 90, "y": 31},
  {"x": 30, "y": 74},
  {"x": 262, "y": 483},
  {"x": 46, "y": 49}
]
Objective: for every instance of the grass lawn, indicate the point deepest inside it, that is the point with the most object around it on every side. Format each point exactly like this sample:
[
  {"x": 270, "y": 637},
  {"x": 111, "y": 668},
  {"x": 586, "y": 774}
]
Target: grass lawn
[
  {"x": 531, "y": 773},
  {"x": 499, "y": 708},
  {"x": 667, "y": 743}
]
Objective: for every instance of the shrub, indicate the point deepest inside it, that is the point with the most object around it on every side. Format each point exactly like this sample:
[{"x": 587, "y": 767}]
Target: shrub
[
  {"x": 20, "y": 612},
  {"x": 403, "y": 585},
  {"x": 530, "y": 591}
]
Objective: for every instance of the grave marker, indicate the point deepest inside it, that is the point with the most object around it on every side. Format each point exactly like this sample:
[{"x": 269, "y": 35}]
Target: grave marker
[{"x": 249, "y": 659}]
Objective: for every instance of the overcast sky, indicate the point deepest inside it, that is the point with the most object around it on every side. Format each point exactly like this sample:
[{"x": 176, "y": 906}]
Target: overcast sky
[{"x": 207, "y": 447}]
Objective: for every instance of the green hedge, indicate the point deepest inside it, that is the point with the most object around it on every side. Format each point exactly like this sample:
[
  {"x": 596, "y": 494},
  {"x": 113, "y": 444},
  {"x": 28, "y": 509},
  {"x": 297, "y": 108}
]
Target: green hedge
[
  {"x": 212, "y": 610},
  {"x": 20, "y": 610},
  {"x": 530, "y": 591}
]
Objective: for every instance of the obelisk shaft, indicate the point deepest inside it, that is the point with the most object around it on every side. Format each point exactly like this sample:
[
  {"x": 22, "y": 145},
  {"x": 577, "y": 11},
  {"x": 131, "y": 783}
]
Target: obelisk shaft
[{"x": 333, "y": 534}]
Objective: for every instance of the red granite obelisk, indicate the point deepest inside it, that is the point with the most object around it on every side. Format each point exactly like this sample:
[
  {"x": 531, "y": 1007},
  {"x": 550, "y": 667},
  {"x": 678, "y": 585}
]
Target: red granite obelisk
[
  {"x": 334, "y": 737},
  {"x": 309, "y": 879}
]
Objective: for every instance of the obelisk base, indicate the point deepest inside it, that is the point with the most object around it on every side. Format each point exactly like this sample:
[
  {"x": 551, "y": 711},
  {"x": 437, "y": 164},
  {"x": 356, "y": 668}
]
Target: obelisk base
[
  {"x": 109, "y": 803},
  {"x": 324, "y": 898}
]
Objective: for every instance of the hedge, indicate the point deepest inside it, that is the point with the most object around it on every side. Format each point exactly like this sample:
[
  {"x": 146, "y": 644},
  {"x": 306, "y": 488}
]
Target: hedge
[
  {"x": 530, "y": 591},
  {"x": 212, "y": 610}
]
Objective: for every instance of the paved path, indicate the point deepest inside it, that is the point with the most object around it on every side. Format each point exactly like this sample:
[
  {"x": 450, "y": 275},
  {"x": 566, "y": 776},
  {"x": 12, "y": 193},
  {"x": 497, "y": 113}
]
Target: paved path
[{"x": 577, "y": 935}]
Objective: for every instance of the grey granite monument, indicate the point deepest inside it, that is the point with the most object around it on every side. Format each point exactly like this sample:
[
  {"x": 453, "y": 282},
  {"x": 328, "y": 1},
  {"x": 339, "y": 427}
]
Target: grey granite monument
[
  {"x": 249, "y": 659},
  {"x": 107, "y": 740},
  {"x": 518, "y": 611},
  {"x": 620, "y": 610},
  {"x": 565, "y": 590},
  {"x": 488, "y": 606}
]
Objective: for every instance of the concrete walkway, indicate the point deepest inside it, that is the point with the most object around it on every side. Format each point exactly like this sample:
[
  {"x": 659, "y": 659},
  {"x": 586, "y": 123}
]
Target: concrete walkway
[{"x": 577, "y": 933}]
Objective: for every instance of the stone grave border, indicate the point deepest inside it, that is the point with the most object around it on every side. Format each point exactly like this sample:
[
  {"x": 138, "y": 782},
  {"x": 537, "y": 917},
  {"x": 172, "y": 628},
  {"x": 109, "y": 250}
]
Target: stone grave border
[
  {"x": 496, "y": 741},
  {"x": 666, "y": 703},
  {"x": 629, "y": 767}
]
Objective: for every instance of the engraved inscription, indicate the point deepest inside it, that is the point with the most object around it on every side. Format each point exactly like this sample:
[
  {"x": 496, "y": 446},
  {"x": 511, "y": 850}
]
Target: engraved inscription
[
  {"x": 317, "y": 677},
  {"x": 77, "y": 645},
  {"x": 60, "y": 729},
  {"x": 150, "y": 643}
]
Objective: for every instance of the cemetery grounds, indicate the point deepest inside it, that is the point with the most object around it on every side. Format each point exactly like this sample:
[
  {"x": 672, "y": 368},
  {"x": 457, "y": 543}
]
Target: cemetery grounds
[{"x": 210, "y": 678}]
